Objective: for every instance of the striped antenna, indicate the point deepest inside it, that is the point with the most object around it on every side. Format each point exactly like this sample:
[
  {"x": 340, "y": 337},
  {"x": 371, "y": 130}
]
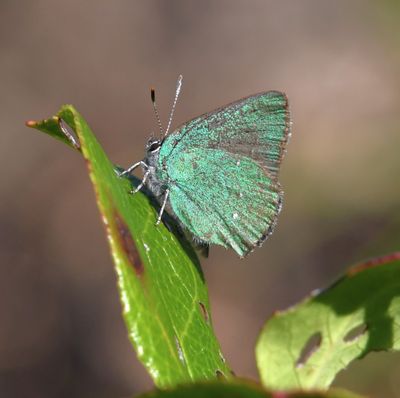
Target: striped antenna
[
  {"x": 153, "y": 100},
  {"x": 178, "y": 90}
]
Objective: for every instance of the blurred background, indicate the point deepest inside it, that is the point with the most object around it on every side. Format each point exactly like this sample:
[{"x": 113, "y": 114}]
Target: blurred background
[{"x": 61, "y": 332}]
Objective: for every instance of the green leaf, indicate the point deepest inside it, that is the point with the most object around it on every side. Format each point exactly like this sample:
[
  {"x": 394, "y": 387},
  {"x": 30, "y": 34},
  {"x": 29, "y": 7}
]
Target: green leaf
[
  {"x": 239, "y": 389},
  {"x": 162, "y": 289},
  {"x": 307, "y": 345}
]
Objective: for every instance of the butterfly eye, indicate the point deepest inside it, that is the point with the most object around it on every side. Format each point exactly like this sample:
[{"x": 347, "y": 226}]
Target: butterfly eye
[{"x": 154, "y": 146}]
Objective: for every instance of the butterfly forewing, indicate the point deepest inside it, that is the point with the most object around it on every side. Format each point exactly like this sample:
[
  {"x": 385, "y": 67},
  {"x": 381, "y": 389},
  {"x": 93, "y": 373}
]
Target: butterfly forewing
[
  {"x": 222, "y": 169},
  {"x": 257, "y": 126}
]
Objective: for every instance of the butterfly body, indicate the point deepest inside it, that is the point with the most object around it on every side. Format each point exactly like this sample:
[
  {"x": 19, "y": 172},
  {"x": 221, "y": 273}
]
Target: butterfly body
[{"x": 218, "y": 172}]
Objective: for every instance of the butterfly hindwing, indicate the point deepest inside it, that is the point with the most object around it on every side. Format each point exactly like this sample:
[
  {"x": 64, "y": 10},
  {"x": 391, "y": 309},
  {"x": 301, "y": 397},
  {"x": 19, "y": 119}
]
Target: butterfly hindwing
[
  {"x": 223, "y": 199},
  {"x": 222, "y": 171}
]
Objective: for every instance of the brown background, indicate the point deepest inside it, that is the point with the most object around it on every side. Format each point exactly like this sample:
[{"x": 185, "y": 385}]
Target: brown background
[{"x": 61, "y": 333}]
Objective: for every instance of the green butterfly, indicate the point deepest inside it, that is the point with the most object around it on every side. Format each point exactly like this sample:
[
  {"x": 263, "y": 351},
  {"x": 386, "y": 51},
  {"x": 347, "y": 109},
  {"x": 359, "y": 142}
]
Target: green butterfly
[{"x": 218, "y": 173}]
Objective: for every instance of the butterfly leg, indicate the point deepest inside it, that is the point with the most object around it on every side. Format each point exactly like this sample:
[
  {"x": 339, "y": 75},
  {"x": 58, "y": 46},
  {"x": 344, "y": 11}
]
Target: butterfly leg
[
  {"x": 139, "y": 187},
  {"x": 133, "y": 167},
  {"x": 163, "y": 206}
]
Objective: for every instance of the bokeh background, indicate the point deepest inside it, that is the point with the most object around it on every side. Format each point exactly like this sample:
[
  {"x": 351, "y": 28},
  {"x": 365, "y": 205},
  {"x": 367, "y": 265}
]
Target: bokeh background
[{"x": 61, "y": 332}]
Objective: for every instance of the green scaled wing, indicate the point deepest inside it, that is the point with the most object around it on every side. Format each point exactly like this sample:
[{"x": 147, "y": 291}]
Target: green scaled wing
[
  {"x": 223, "y": 199},
  {"x": 222, "y": 171}
]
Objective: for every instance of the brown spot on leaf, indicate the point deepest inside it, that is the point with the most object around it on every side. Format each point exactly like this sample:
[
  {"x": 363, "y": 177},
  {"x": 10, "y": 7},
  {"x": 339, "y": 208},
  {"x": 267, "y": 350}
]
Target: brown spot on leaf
[
  {"x": 355, "y": 333},
  {"x": 128, "y": 244},
  {"x": 204, "y": 311},
  {"x": 219, "y": 375},
  {"x": 88, "y": 165}
]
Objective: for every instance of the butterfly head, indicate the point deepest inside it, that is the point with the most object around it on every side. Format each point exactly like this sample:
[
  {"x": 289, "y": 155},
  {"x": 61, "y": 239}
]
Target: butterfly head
[
  {"x": 152, "y": 154},
  {"x": 153, "y": 145}
]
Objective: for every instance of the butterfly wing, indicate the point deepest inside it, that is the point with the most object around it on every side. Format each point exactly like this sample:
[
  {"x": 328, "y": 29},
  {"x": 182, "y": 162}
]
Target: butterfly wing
[
  {"x": 223, "y": 199},
  {"x": 222, "y": 169},
  {"x": 257, "y": 126}
]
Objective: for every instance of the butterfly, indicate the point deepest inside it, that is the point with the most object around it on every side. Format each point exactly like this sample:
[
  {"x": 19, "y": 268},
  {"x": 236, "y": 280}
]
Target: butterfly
[{"x": 218, "y": 173}]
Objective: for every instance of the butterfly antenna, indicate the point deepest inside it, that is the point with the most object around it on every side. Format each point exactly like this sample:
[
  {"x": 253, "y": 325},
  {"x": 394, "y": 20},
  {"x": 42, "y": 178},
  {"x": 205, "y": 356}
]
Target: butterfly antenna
[
  {"x": 178, "y": 90},
  {"x": 153, "y": 100}
]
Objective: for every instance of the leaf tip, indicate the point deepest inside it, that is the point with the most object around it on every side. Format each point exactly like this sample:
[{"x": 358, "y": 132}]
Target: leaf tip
[{"x": 31, "y": 123}]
